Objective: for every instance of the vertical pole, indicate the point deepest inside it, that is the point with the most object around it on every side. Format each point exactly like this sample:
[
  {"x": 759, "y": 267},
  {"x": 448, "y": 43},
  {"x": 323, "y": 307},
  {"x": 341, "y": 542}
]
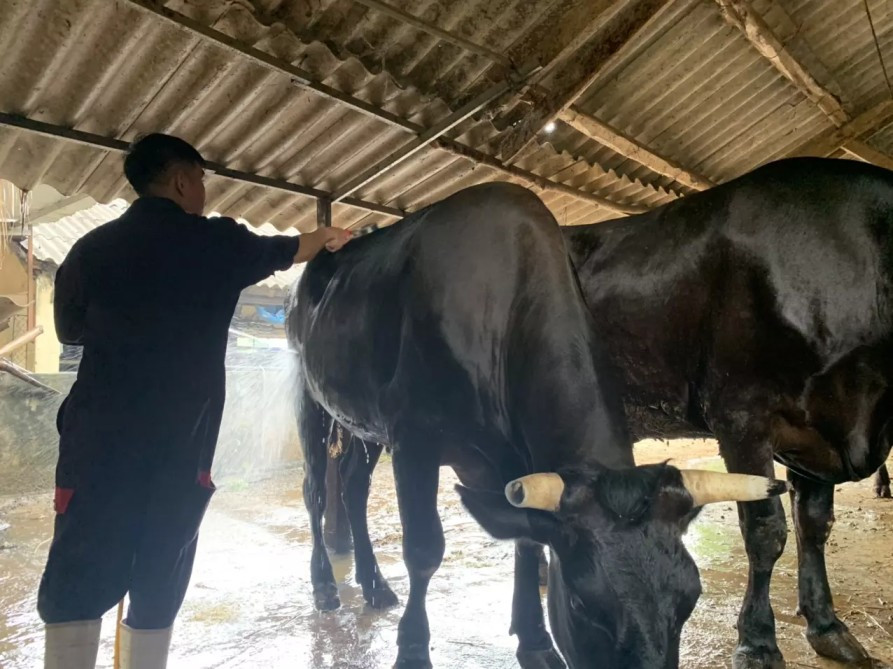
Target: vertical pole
[
  {"x": 31, "y": 350},
  {"x": 324, "y": 213}
]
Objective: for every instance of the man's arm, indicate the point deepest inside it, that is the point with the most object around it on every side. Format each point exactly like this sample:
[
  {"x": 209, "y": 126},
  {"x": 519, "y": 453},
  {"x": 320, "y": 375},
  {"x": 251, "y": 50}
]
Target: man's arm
[
  {"x": 312, "y": 243},
  {"x": 254, "y": 257},
  {"x": 70, "y": 300}
]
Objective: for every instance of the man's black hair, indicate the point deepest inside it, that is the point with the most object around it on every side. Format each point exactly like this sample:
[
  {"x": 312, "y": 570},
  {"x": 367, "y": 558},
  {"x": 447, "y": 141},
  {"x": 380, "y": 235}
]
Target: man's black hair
[{"x": 149, "y": 158}]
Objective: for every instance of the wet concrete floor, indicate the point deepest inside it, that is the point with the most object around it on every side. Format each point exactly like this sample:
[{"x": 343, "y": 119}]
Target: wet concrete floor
[{"x": 249, "y": 604}]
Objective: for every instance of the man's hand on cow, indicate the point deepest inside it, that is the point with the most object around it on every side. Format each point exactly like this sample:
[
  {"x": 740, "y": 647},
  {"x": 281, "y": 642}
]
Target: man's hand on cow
[
  {"x": 337, "y": 238},
  {"x": 332, "y": 239}
]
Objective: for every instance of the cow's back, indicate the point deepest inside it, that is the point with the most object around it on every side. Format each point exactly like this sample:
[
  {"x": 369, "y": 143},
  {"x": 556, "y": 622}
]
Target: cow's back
[{"x": 466, "y": 315}]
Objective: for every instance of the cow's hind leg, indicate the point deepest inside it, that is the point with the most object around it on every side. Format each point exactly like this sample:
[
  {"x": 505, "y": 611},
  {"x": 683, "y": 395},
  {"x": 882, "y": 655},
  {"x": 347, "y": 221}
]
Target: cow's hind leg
[
  {"x": 882, "y": 482},
  {"x": 356, "y": 469},
  {"x": 315, "y": 427},
  {"x": 416, "y": 474},
  {"x": 813, "y": 508},
  {"x": 765, "y": 533},
  {"x": 535, "y": 650}
]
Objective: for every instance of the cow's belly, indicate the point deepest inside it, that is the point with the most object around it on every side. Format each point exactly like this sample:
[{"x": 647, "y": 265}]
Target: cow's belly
[{"x": 662, "y": 421}]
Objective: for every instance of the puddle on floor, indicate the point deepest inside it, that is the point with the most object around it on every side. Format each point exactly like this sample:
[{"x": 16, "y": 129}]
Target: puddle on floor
[{"x": 250, "y": 605}]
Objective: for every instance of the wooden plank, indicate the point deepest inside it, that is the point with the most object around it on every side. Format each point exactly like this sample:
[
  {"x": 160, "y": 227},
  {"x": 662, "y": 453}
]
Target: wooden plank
[
  {"x": 865, "y": 123},
  {"x": 740, "y": 14},
  {"x": 18, "y": 342},
  {"x": 869, "y": 154},
  {"x": 846, "y": 136},
  {"x": 626, "y": 146},
  {"x": 574, "y": 76},
  {"x": 542, "y": 182}
]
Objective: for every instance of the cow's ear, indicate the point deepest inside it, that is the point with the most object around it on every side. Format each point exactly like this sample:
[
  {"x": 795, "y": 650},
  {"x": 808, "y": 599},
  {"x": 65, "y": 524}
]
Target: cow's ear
[{"x": 503, "y": 521}]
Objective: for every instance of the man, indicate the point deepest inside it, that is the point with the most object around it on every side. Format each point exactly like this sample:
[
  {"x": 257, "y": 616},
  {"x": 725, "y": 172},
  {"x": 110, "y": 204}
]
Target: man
[{"x": 150, "y": 297}]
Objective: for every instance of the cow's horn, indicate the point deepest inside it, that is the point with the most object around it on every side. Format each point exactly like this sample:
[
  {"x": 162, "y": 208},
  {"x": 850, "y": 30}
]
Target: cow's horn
[
  {"x": 706, "y": 487},
  {"x": 536, "y": 491}
]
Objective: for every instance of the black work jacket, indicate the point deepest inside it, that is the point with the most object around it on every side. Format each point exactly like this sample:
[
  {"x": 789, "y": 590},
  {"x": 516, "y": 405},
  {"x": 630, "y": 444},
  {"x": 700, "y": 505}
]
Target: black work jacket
[{"x": 150, "y": 297}]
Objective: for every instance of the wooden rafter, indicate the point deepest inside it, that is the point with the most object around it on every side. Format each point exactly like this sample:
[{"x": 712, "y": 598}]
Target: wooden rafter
[
  {"x": 849, "y": 130},
  {"x": 863, "y": 151},
  {"x": 866, "y": 122},
  {"x": 740, "y": 14},
  {"x": 631, "y": 149},
  {"x": 567, "y": 82}
]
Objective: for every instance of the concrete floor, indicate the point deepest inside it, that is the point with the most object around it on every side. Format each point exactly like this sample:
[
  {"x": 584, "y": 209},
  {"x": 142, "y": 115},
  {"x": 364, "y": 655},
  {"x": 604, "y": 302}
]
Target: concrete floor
[{"x": 249, "y": 604}]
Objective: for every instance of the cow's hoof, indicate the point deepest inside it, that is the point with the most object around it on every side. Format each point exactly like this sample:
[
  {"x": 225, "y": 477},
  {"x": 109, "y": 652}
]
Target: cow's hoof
[
  {"x": 381, "y": 597},
  {"x": 325, "y": 597},
  {"x": 838, "y": 644},
  {"x": 540, "y": 659},
  {"x": 413, "y": 657},
  {"x": 883, "y": 491},
  {"x": 749, "y": 657}
]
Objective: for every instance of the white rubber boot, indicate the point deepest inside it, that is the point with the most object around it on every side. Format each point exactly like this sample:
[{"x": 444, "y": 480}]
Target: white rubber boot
[
  {"x": 144, "y": 649},
  {"x": 72, "y": 645}
]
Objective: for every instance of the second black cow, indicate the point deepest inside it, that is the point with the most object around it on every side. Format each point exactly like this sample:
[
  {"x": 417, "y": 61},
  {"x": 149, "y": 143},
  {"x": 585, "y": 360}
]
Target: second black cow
[{"x": 759, "y": 312}]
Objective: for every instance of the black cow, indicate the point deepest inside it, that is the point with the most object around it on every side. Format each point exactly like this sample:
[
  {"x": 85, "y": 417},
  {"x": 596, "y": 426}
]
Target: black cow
[
  {"x": 459, "y": 337},
  {"x": 760, "y": 312}
]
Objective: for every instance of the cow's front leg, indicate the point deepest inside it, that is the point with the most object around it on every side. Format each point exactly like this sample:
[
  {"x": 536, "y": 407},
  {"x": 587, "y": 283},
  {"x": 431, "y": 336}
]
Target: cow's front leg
[
  {"x": 813, "y": 509},
  {"x": 535, "y": 650},
  {"x": 882, "y": 482},
  {"x": 765, "y": 533},
  {"x": 416, "y": 475}
]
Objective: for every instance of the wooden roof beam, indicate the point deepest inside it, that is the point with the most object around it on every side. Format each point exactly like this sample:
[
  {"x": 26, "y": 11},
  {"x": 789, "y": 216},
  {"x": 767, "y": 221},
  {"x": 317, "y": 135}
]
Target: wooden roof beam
[
  {"x": 740, "y": 14},
  {"x": 616, "y": 28},
  {"x": 626, "y": 146},
  {"x": 864, "y": 124},
  {"x": 869, "y": 154},
  {"x": 849, "y": 130}
]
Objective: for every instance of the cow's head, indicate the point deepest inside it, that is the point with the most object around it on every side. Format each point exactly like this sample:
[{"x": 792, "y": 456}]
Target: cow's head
[{"x": 621, "y": 583}]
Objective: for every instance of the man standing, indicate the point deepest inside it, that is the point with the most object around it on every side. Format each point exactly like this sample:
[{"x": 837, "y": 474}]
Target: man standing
[{"x": 150, "y": 297}]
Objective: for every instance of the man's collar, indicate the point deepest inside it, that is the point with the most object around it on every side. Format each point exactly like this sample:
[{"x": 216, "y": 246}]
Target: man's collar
[{"x": 154, "y": 203}]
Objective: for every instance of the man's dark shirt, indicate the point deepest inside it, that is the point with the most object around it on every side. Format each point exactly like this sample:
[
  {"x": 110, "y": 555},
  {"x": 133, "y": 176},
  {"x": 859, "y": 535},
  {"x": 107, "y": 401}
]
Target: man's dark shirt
[{"x": 150, "y": 297}]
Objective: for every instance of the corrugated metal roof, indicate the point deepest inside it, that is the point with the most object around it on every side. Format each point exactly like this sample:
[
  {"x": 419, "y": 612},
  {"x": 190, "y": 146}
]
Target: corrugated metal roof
[
  {"x": 114, "y": 70},
  {"x": 690, "y": 87},
  {"x": 695, "y": 91},
  {"x": 53, "y": 240}
]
